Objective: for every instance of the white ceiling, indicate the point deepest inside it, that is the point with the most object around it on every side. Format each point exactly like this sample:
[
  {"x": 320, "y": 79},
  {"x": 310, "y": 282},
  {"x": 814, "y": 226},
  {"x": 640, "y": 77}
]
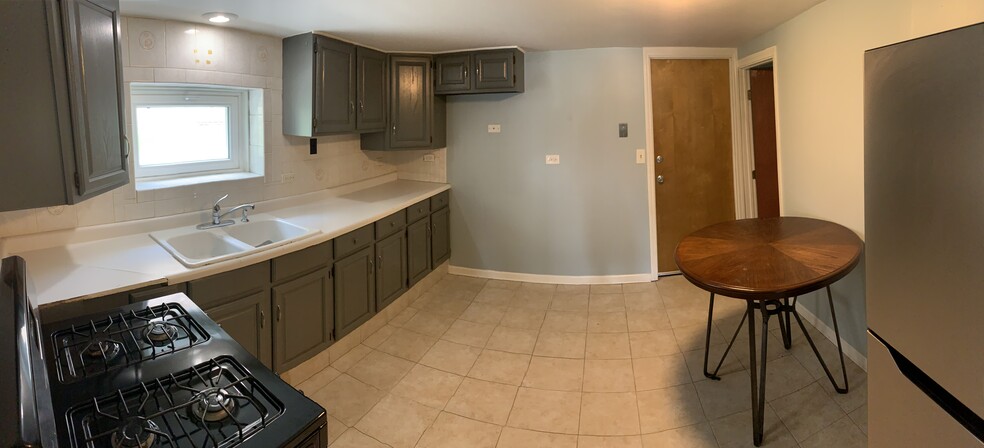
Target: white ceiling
[{"x": 442, "y": 25}]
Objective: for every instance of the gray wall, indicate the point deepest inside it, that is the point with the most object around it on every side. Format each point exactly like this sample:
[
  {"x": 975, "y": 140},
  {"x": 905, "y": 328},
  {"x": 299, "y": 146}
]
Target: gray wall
[{"x": 586, "y": 216}]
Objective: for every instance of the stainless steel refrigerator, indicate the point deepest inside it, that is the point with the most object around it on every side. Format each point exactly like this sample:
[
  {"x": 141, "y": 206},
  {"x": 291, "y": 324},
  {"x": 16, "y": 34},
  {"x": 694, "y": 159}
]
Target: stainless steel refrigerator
[{"x": 924, "y": 229}]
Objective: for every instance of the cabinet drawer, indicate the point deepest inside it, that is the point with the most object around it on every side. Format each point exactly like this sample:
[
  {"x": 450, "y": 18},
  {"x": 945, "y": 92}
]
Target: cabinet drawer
[
  {"x": 227, "y": 286},
  {"x": 353, "y": 241},
  {"x": 306, "y": 260},
  {"x": 440, "y": 200},
  {"x": 391, "y": 224},
  {"x": 418, "y": 210}
]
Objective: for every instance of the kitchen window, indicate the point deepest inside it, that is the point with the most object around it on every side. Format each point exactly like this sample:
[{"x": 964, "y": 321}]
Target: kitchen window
[{"x": 182, "y": 130}]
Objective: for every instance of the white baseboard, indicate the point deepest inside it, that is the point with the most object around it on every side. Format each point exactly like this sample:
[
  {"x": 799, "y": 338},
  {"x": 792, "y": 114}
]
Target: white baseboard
[
  {"x": 556, "y": 279},
  {"x": 852, "y": 353}
]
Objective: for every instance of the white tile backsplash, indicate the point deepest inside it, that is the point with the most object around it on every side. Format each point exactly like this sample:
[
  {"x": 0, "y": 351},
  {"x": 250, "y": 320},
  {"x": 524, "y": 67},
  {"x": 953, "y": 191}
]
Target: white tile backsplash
[{"x": 162, "y": 51}]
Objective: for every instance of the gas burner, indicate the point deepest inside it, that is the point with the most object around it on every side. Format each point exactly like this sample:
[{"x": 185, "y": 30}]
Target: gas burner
[
  {"x": 102, "y": 347},
  {"x": 161, "y": 332},
  {"x": 213, "y": 405},
  {"x": 135, "y": 433}
]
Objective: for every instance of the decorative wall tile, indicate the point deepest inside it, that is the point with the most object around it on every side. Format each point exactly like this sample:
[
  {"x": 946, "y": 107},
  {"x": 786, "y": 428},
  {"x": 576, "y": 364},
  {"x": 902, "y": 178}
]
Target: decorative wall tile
[
  {"x": 170, "y": 75},
  {"x": 265, "y": 55},
  {"x": 145, "y": 43}
]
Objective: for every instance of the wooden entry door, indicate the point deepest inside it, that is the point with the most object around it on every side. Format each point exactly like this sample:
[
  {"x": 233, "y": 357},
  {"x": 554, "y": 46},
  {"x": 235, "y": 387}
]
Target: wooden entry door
[
  {"x": 692, "y": 138},
  {"x": 766, "y": 174}
]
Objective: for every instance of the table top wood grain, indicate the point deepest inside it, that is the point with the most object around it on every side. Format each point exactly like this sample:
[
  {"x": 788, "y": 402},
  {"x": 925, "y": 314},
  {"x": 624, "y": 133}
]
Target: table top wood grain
[{"x": 768, "y": 258}]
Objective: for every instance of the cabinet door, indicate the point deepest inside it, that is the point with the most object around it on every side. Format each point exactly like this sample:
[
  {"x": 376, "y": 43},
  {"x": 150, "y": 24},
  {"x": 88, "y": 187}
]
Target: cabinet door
[
  {"x": 95, "y": 71},
  {"x": 247, "y": 320},
  {"x": 453, "y": 73},
  {"x": 495, "y": 70},
  {"x": 440, "y": 236},
  {"x": 391, "y": 269},
  {"x": 410, "y": 103},
  {"x": 334, "y": 86},
  {"x": 354, "y": 291},
  {"x": 303, "y": 319},
  {"x": 372, "y": 90},
  {"x": 418, "y": 250}
]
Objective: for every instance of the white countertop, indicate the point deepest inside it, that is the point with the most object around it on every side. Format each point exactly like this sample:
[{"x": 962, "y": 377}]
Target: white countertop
[{"x": 91, "y": 262}]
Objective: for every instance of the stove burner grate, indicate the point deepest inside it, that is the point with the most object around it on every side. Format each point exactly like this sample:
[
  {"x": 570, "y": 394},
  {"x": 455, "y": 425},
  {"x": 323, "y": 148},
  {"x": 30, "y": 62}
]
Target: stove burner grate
[{"x": 135, "y": 433}]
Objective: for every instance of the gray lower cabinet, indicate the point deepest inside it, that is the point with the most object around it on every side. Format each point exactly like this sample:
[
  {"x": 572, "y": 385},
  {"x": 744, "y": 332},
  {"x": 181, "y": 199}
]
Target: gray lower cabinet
[
  {"x": 391, "y": 269},
  {"x": 418, "y": 250},
  {"x": 303, "y": 318},
  {"x": 247, "y": 320},
  {"x": 440, "y": 236},
  {"x": 63, "y": 117},
  {"x": 417, "y": 119},
  {"x": 355, "y": 291}
]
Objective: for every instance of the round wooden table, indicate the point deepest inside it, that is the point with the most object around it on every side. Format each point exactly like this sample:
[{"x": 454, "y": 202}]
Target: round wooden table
[{"x": 769, "y": 262}]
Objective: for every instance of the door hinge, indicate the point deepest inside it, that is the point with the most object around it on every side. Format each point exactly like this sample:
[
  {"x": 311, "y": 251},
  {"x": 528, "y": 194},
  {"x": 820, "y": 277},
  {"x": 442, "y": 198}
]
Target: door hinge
[
  {"x": 748, "y": 94},
  {"x": 77, "y": 183},
  {"x": 753, "y": 174}
]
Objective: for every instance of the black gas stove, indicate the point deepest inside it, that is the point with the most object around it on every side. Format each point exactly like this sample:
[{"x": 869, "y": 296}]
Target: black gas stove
[{"x": 153, "y": 374}]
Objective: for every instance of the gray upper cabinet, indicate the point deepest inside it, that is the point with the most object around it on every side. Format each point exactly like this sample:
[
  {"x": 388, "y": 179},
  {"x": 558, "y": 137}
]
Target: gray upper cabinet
[
  {"x": 304, "y": 318},
  {"x": 486, "y": 71},
  {"x": 332, "y": 87},
  {"x": 354, "y": 291},
  {"x": 416, "y": 118},
  {"x": 63, "y": 116}
]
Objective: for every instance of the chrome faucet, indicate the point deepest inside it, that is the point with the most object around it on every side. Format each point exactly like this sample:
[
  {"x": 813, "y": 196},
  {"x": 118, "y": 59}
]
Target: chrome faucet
[{"x": 217, "y": 215}]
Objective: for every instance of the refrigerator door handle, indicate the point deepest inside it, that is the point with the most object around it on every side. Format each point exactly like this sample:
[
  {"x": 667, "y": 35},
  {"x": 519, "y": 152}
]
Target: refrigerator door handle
[{"x": 959, "y": 411}]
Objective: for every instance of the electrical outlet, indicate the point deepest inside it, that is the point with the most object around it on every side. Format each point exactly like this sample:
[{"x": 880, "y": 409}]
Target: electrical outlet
[
  {"x": 428, "y": 157},
  {"x": 553, "y": 159},
  {"x": 495, "y": 128},
  {"x": 641, "y": 156},
  {"x": 287, "y": 178}
]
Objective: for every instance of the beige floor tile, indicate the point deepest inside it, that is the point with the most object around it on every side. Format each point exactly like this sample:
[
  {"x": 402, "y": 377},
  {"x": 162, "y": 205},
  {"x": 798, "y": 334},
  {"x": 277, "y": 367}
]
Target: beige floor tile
[
  {"x": 609, "y": 442},
  {"x": 524, "y": 438},
  {"x": 560, "y": 345},
  {"x": 380, "y": 370},
  {"x": 500, "y": 367},
  {"x": 512, "y": 340},
  {"x": 534, "y": 300},
  {"x": 842, "y": 434},
  {"x": 555, "y": 374},
  {"x": 735, "y": 431},
  {"x": 469, "y": 333},
  {"x": 648, "y": 320},
  {"x": 427, "y": 386},
  {"x": 523, "y": 318},
  {"x": 693, "y": 337},
  {"x": 352, "y": 438},
  {"x": 695, "y": 362},
  {"x": 686, "y": 316},
  {"x": 351, "y": 358},
  {"x": 484, "y": 313},
  {"x": 546, "y": 410},
  {"x": 696, "y": 436},
  {"x": 608, "y": 375},
  {"x": 407, "y": 344},
  {"x": 569, "y": 321},
  {"x": 403, "y": 317},
  {"x": 676, "y": 289},
  {"x": 606, "y": 289},
  {"x": 669, "y": 408},
  {"x": 430, "y": 324},
  {"x": 451, "y": 357},
  {"x": 609, "y": 414},
  {"x": 639, "y": 287},
  {"x": 648, "y": 344},
  {"x": 725, "y": 397},
  {"x": 570, "y": 302},
  {"x": 347, "y": 399},
  {"x": 644, "y": 301},
  {"x": 537, "y": 288},
  {"x": 860, "y": 418},
  {"x": 857, "y": 379},
  {"x": 572, "y": 289},
  {"x": 660, "y": 372},
  {"x": 380, "y": 336},
  {"x": 495, "y": 296},
  {"x": 318, "y": 380},
  {"x": 482, "y": 400},
  {"x": 335, "y": 429},
  {"x": 807, "y": 411},
  {"x": 607, "y": 346},
  {"x": 606, "y": 302},
  {"x": 397, "y": 422},
  {"x": 453, "y": 431},
  {"x": 785, "y": 376},
  {"x": 607, "y": 322},
  {"x": 503, "y": 284}
]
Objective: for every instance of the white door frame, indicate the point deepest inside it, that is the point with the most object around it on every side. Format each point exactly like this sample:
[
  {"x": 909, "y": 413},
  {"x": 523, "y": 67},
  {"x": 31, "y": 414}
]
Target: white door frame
[
  {"x": 746, "y": 144},
  {"x": 740, "y": 161}
]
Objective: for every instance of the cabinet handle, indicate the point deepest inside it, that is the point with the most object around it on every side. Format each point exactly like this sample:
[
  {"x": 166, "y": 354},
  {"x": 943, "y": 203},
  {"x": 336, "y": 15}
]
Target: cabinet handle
[
  {"x": 351, "y": 107},
  {"x": 394, "y": 129},
  {"x": 380, "y": 258},
  {"x": 372, "y": 267},
  {"x": 279, "y": 313},
  {"x": 126, "y": 147},
  {"x": 262, "y": 319},
  {"x": 362, "y": 106}
]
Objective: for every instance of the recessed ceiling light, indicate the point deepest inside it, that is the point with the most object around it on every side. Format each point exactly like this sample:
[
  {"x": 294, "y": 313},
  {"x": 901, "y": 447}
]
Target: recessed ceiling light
[{"x": 220, "y": 17}]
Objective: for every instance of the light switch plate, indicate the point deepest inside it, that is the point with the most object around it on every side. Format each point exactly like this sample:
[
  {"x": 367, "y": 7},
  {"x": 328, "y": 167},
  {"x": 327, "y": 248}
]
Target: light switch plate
[
  {"x": 495, "y": 128},
  {"x": 641, "y": 156},
  {"x": 428, "y": 157},
  {"x": 553, "y": 159},
  {"x": 623, "y": 130}
]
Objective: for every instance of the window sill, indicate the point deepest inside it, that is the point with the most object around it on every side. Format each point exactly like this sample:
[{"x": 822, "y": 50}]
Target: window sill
[{"x": 160, "y": 184}]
